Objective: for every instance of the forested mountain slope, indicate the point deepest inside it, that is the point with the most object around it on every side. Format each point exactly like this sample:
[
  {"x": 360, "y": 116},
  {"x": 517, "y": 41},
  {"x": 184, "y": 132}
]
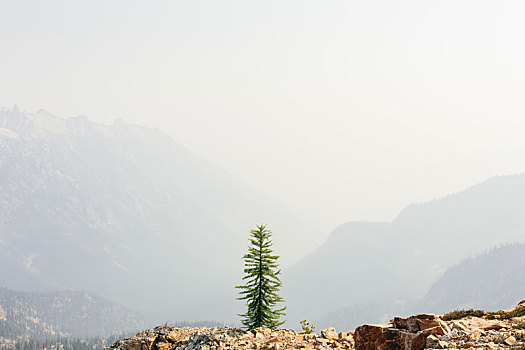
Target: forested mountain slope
[
  {"x": 488, "y": 281},
  {"x": 128, "y": 213},
  {"x": 25, "y": 315},
  {"x": 397, "y": 262}
]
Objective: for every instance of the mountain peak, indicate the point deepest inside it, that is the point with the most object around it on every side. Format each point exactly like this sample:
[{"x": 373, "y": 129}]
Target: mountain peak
[
  {"x": 16, "y": 109},
  {"x": 43, "y": 112}
]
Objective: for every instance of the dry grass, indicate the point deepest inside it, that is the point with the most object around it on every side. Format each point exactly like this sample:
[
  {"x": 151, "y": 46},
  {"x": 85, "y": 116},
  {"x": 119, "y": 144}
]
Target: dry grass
[{"x": 458, "y": 314}]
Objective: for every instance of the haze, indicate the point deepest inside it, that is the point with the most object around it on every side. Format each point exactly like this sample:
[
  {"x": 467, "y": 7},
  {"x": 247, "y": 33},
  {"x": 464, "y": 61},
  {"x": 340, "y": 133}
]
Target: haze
[{"x": 341, "y": 110}]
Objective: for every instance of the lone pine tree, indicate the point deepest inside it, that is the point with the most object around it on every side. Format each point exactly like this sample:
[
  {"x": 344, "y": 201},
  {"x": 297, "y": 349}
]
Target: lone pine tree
[{"x": 262, "y": 282}]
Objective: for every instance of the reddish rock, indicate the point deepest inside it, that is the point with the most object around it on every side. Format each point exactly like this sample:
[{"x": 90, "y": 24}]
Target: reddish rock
[
  {"x": 425, "y": 317},
  {"x": 373, "y": 337},
  {"x": 405, "y": 333},
  {"x": 409, "y": 324},
  {"x": 392, "y": 339},
  {"x": 365, "y": 337}
]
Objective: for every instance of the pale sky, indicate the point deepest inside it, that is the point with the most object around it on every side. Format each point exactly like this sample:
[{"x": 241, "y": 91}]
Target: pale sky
[{"x": 339, "y": 109}]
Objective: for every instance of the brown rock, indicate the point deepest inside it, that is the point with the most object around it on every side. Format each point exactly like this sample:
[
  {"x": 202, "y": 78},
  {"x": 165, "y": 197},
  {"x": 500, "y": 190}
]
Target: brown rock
[
  {"x": 510, "y": 341},
  {"x": 409, "y": 324},
  {"x": 405, "y": 333},
  {"x": 458, "y": 325},
  {"x": 163, "y": 346},
  {"x": 400, "y": 323},
  {"x": 321, "y": 341},
  {"x": 329, "y": 333},
  {"x": 418, "y": 323},
  {"x": 373, "y": 337},
  {"x": 261, "y": 330},
  {"x": 479, "y": 323},
  {"x": 348, "y": 339},
  {"x": 426, "y": 324},
  {"x": 442, "y": 344},
  {"x": 425, "y": 316},
  {"x": 438, "y": 330},
  {"x": 365, "y": 337},
  {"x": 150, "y": 341},
  {"x": 444, "y": 326},
  {"x": 392, "y": 338},
  {"x": 475, "y": 335},
  {"x": 309, "y": 336},
  {"x": 432, "y": 341}
]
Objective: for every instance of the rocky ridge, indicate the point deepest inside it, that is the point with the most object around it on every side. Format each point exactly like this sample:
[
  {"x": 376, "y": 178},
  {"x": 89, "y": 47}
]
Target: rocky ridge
[
  {"x": 167, "y": 338},
  {"x": 459, "y": 330}
]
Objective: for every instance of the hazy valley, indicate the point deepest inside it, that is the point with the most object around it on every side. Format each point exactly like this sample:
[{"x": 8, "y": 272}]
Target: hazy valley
[
  {"x": 129, "y": 214},
  {"x": 262, "y": 175},
  {"x": 394, "y": 264}
]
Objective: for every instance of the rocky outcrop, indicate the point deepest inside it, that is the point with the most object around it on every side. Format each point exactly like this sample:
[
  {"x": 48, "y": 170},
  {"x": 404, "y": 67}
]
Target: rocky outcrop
[
  {"x": 403, "y": 333},
  {"x": 496, "y": 330},
  {"x": 172, "y": 338},
  {"x": 474, "y": 332}
]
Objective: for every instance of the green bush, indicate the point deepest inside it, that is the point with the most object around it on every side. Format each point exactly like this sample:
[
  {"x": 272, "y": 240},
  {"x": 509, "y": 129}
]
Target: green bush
[
  {"x": 501, "y": 315},
  {"x": 517, "y": 312},
  {"x": 307, "y": 327},
  {"x": 457, "y": 314},
  {"x": 520, "y": 325}
]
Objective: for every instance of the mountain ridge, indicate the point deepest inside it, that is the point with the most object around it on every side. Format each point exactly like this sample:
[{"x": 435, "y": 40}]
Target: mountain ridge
[
  {"x": 405, "y": 257},
  {"x": 115, "y": 209},
  {"x": 486, "y": 281},
  {"x": 31, "y": 315}
]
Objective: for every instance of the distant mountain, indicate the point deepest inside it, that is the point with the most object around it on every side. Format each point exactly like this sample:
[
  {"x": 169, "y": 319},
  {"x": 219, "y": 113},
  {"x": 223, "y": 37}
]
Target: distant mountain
[
  {"x": 62, "y": 314},
  {"x": 128, "y": 213},
  {"x": 490, "y": 281},
  {"x": 363, "y": 263},
  {"x": 350, "y": 317}
]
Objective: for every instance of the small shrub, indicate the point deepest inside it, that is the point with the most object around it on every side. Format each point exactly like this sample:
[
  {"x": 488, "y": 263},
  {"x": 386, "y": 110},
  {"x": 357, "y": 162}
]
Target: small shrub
[
  {"x": 519, "y": 335},
  {"x": 518, "y": 312},
  {"x": 520, "y": 325},
  {"x": 307, "y": 327},
  {"x": 458, "y": 314},
  {"x": 502, "y": 315}
]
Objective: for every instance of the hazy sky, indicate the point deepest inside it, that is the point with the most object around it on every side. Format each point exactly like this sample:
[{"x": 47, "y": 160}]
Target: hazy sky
[{"x": 343, "y": 110}]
